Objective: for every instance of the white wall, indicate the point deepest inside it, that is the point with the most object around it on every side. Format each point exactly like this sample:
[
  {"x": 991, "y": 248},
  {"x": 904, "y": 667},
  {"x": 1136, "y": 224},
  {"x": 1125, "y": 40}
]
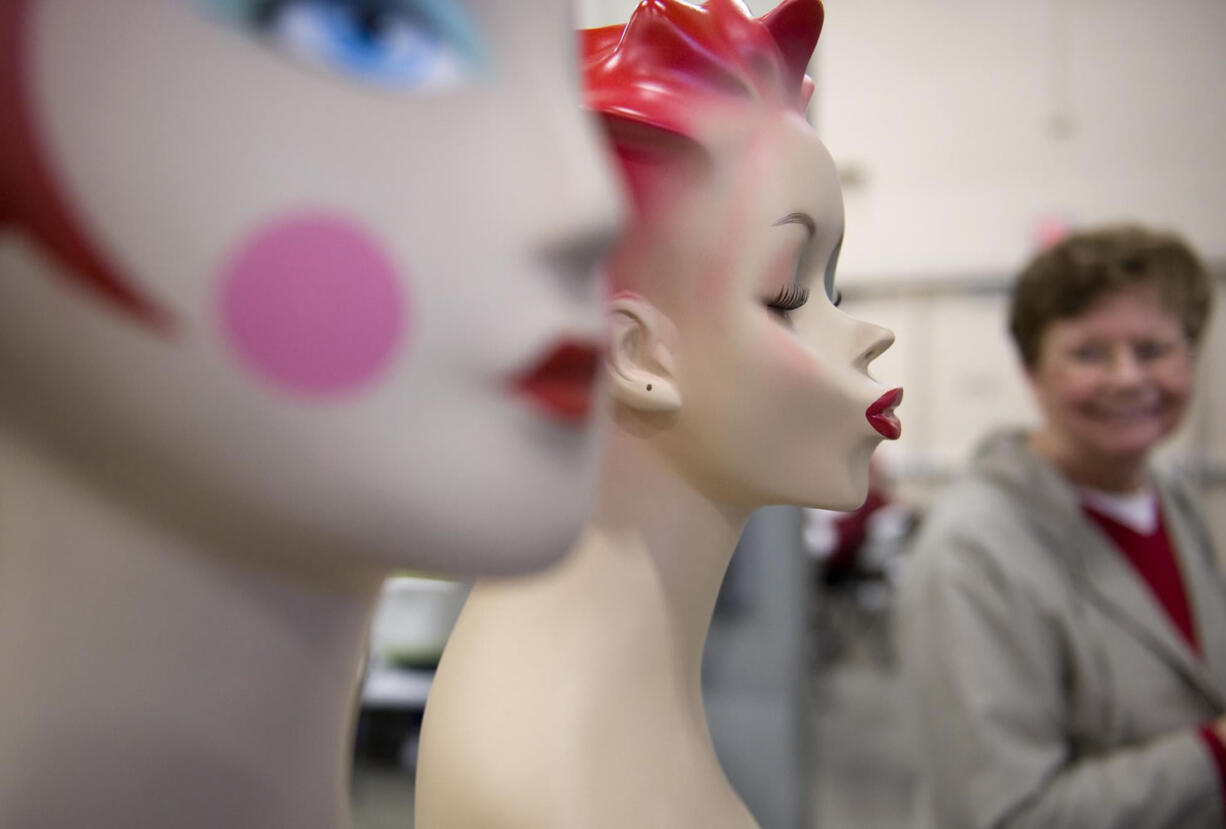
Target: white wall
[{"x": 970, "y": 121}]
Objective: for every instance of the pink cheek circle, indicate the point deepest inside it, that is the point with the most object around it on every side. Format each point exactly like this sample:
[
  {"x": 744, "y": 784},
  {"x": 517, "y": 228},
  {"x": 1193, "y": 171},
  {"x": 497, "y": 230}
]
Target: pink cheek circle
[{"x": 312, "y": 305}]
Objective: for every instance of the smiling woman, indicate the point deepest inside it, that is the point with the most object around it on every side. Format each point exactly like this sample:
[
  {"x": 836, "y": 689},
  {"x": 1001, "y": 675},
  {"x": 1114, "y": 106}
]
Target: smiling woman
[
  {"x": 276, "y": 319},
  {"x": 1107, "y": 326},
  {"x": 1064, "y": 620}
]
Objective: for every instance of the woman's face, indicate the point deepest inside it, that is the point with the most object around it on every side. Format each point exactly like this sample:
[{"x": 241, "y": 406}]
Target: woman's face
[
  {"x": 1115, "y": 380},
  {"x": 374, "y": 228},
  {"x": 774, "y": 402}
]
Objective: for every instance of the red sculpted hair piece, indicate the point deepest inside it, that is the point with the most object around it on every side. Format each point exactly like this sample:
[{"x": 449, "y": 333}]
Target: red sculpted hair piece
[
  {"x": 673, "y": 58},
  {"x": 29, "y": 196}
]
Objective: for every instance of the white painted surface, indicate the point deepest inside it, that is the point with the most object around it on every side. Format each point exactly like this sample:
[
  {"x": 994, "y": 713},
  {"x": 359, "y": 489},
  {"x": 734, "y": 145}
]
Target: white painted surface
[{"x": 953, "y": 112}]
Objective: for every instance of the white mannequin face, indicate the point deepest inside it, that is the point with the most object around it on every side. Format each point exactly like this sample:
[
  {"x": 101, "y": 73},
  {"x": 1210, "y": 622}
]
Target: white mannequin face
[
  {"x": 773, "y": 403},
  {"x": 382, "y": 324}
]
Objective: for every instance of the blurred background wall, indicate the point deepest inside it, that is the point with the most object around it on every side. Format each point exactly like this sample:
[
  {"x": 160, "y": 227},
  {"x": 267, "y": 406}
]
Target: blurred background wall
[{"x": 963, "y": 127}]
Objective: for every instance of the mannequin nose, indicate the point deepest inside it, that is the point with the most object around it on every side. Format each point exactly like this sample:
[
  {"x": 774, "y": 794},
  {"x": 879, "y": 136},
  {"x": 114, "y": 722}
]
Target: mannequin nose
[{"x": 879, "y": 341}]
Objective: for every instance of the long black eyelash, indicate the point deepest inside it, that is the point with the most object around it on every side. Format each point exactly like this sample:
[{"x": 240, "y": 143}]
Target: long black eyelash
[{"x": 789, "y": 298}]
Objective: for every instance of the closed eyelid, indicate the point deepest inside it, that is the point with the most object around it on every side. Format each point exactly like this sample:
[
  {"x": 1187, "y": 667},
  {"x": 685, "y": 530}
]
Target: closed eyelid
[
  {"x": 802, "y": 219},
  {"x": 799, "y": 275}
]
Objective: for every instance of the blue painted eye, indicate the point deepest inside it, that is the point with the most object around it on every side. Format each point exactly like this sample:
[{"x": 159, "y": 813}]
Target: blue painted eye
[{"x": 423, "y": 45}]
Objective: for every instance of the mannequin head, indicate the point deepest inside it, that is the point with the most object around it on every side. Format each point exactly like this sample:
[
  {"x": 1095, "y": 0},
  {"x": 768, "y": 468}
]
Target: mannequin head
[
  {"x": 309, "y": 301},
  {"x": 728, "y": 352}
]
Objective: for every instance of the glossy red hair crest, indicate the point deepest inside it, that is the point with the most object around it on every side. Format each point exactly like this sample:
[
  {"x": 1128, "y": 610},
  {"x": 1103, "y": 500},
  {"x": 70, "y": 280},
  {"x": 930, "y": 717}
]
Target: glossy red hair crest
[{"x": 671, "y": 59}]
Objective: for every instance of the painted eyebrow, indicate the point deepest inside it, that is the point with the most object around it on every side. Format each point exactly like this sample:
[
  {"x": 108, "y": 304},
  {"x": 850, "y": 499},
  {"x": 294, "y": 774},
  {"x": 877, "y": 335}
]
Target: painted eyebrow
[{"x": 799, "y": 219}]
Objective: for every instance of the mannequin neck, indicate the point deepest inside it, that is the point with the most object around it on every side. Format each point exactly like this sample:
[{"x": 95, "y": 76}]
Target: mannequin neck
[
  {"x": 648, "y": 516},
  {"x": 635, "y": 594},
  {"x": 597, "y": 666},
  {"x": 154, "y": 682}
]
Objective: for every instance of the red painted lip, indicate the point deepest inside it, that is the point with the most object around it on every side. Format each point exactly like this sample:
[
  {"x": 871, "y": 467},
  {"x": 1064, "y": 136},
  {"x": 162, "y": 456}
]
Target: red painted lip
[
  {"x": 881, "y": 415},
  {"x": 562, "y": 382}
]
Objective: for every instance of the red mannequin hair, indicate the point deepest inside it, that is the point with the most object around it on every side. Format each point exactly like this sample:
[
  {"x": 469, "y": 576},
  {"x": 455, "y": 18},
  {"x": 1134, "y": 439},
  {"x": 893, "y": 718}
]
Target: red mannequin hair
[
  {"x": 672, "y": 58},
  {"x": 30, "y": 197}
]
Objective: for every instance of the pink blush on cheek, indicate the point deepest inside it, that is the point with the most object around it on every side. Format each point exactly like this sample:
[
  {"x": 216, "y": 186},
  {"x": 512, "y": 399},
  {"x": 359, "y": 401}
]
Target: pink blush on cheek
[
  {"x": 311, "y": 304},
  {"x": 792, "y": 359}
]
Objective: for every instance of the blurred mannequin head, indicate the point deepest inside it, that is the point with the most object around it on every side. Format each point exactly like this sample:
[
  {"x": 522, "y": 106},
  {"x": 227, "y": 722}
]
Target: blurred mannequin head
[{"x": 279, "y": 277}]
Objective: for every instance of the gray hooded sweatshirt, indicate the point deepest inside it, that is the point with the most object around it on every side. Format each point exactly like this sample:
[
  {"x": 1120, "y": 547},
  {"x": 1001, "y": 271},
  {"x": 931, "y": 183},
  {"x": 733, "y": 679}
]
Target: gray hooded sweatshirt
[{"x": 1048, "y": 686}]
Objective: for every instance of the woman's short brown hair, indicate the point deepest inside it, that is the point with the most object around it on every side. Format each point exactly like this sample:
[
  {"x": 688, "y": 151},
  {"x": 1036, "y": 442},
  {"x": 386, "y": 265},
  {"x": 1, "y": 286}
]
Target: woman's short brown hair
[{"x": 1066, "y": 279}]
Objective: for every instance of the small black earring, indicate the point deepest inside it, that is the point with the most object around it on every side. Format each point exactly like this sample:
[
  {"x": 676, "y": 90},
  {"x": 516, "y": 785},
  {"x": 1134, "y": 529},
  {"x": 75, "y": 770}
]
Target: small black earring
[{"x": 649, "y": 387}]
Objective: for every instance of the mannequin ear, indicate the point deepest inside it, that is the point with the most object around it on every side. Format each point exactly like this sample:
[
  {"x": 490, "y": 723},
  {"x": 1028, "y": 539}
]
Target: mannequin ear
[{"x": 640, "y": 362}]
